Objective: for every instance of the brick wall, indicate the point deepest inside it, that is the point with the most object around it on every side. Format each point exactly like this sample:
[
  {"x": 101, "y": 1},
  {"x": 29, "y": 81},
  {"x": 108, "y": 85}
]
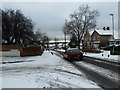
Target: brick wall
[
  {"x": 24, "y": 51},
  {"x": 8, "y": 48},
  {"x": 30, "y": 51}
]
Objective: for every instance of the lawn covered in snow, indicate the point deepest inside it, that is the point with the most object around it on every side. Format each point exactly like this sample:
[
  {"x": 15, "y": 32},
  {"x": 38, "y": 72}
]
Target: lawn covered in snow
[
  {"x": 46, "y": 71},
  {"x": 104, "y": 55}
]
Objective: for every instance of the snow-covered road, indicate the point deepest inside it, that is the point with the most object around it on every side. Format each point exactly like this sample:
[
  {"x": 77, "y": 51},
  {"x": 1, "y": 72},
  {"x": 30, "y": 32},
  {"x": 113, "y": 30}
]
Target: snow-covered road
[{"x": 46, "y": 71}]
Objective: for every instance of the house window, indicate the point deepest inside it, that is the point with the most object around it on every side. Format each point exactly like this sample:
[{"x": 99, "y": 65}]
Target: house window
[
  {"x": 98, "y": 38},
  {"x": 90, "y": 39},
  {"x": 110, "y": 37},
  {"x": 117, "y": 42},
  {"x": 93, "y": 38}
]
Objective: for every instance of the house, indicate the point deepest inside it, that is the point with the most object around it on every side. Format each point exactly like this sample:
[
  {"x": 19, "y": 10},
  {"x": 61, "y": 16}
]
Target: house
[{"x": 99, "y": 38}]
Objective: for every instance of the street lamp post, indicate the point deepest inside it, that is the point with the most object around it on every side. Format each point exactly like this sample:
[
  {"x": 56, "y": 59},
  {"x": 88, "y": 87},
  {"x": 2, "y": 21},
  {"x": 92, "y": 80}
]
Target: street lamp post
[
  {"x": 112, "y": 23},
  {"x": 113, "y": 28}
]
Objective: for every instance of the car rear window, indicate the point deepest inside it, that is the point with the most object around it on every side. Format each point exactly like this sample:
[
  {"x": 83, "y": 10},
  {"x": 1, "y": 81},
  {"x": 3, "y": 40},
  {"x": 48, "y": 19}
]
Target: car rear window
[{"x": 74, "y": 51}]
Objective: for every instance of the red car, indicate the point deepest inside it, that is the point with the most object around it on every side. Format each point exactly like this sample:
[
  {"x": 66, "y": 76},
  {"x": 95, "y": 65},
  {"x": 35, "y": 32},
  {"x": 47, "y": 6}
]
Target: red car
[{"x": 73, "y": 54}]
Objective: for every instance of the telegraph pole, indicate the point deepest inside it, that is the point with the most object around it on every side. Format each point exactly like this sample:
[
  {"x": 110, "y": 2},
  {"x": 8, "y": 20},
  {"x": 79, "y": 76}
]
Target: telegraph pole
[
  {"x": 112, "y": 23},
  {"x": 113, "y": 29}
]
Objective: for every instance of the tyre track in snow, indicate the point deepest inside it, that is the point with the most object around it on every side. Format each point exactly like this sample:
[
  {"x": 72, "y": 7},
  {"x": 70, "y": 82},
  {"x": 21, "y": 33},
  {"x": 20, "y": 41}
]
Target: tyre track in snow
[{"x": 103, "y": 81}]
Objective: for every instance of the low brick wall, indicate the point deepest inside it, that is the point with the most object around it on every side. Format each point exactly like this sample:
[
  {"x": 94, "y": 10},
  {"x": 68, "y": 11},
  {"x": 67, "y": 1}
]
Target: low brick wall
[
  {"x": 24, "y": 51},
  {"x": 10, "y": 47},
  {"x": 31, "y": 51},
  {"x": 91, "y": 50}
]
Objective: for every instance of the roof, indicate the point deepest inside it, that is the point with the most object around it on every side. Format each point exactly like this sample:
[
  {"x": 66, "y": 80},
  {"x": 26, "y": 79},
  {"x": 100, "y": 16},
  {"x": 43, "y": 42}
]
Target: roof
[
  {"x": 107, "y": 32},
  {"x": 104, "y": 32},
  {"x": 91, "y": 32}
]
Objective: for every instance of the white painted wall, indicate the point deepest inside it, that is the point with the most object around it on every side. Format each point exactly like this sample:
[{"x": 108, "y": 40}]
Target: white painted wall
[
  {"x": 12, "y": 53},
  {"x": 119, "y": 20}
]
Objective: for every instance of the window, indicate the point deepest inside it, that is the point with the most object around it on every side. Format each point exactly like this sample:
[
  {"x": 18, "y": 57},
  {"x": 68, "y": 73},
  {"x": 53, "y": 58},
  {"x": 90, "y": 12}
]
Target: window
[
  {"x": 110, "y": 37},
  {"x": 117, "y": 42},
  {"x": 98, "y": 38},
  {"x": 93, "y": 38}
]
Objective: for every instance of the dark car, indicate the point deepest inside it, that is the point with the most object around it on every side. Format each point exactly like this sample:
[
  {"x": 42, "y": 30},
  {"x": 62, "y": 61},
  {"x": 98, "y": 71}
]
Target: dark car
[{"x": 73, "y": 54}]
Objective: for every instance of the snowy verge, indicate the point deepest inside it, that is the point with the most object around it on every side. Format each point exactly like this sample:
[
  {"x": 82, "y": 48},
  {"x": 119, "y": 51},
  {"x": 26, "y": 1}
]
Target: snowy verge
[
  {"x": 46, "y": 71},
  {"x": 105, "y": 55}
]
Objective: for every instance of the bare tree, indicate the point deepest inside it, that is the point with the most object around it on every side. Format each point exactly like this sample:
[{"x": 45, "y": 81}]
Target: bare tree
[
  {"x": 81, "y": 21},
  {"x": 73, "y": 41},
  {"x": 38, "y": 35},
  {"x": 42, "y": 37},
  {"x": 45, "y": 40}
]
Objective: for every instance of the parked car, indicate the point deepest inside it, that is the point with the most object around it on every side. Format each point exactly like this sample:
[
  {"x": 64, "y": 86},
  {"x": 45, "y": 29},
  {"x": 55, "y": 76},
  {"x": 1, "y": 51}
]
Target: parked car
[{"x": 73, "y": 54}]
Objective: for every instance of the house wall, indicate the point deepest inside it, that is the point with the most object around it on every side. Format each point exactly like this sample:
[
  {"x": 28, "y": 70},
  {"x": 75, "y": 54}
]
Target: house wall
[
  {"x": 95, "y": 37},
  {"x": 119, "y": 20},
  {"x": 86, "y": 41},
  {"x": 104, "y": 40},
  {"x": 95, "y": 40}
]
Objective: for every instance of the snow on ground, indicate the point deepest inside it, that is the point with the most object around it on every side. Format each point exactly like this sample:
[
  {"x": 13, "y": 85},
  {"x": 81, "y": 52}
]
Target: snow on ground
[
  {"x": 106, "y": 56},
  {"x": 46, "y": 71}
]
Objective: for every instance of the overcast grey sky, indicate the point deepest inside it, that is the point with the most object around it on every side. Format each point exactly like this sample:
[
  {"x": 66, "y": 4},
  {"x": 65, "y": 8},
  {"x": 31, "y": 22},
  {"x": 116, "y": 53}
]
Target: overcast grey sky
[{"x": 50, "y": 16}]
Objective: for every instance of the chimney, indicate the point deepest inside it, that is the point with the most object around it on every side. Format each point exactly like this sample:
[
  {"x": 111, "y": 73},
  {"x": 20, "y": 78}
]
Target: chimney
[
  {"x": 104, "y": 28},
  {"x": 108, "y": 28}
]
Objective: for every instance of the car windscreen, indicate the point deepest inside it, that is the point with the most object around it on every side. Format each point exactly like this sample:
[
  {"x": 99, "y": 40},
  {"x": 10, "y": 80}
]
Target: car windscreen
[{"x": 74, "y": 51}]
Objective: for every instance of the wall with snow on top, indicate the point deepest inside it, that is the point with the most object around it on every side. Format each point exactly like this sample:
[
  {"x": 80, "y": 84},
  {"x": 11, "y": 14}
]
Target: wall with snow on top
[{"x": 11, "y": 53}]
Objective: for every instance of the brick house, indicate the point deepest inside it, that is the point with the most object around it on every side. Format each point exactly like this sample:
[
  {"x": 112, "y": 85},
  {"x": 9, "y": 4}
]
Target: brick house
[
  {"x": 97, "y": 38},
  {"x": 100, "y": 38}
]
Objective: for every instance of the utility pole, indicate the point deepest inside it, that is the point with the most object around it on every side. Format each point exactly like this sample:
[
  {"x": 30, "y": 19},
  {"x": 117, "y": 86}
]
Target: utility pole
[
  {"x": 113, "y": 29},
  {"x": 112, "y": 23}
]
